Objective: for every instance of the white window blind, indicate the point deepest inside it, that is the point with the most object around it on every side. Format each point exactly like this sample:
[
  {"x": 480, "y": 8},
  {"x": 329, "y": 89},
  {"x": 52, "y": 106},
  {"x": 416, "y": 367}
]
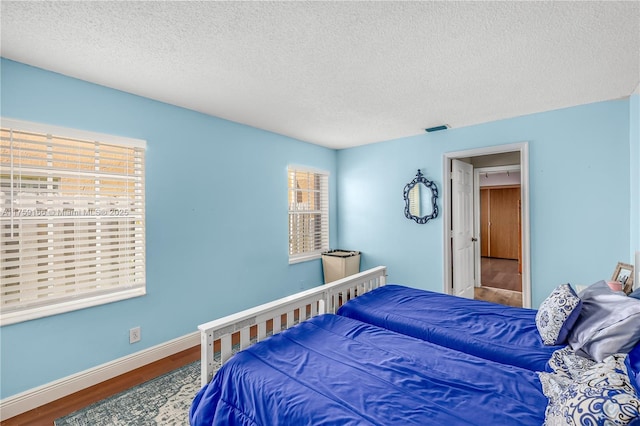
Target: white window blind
[
  {"x": 73, "y": 221},
  {"x": 308, "y": 214}
]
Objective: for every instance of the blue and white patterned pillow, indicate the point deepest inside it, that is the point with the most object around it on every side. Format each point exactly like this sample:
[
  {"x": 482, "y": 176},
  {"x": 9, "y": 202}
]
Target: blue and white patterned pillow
[
  {"x": 557, "y": 314},
  {"x": 602, "y": 395}
]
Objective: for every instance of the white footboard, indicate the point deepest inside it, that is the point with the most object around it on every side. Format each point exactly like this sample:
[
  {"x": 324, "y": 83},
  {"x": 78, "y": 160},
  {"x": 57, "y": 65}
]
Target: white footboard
[{"x": 219, "y": 338}]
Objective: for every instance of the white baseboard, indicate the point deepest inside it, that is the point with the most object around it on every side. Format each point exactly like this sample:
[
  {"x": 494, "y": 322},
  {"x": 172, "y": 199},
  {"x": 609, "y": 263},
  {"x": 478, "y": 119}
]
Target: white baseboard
[{"x": 32, "y": 398}]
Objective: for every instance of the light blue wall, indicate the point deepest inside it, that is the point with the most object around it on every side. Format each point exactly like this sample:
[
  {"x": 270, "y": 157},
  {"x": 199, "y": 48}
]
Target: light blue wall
[
  {"x": 211, "y": 253},
  {"x": 217, "y": 243},
  {"x": 634, "y": 154},
  {"x": 579, "y": 195}
]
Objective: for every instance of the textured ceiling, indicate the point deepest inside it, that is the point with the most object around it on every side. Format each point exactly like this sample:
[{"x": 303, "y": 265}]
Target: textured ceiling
[{"x": 339, "y": 74}]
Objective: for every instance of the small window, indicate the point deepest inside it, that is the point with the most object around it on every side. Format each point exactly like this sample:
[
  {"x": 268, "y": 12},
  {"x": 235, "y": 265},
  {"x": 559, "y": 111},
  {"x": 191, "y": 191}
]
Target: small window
[
  {"x": 72, "y": 220},
  {"x": 308, "y": 214}
]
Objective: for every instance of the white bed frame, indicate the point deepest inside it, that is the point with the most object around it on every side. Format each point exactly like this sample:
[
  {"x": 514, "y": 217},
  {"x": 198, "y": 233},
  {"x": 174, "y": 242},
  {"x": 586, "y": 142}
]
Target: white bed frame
[{"x": 250, "y": 326}]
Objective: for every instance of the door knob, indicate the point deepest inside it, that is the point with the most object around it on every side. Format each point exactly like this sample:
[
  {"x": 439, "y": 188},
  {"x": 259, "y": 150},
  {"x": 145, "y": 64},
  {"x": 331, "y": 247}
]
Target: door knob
[{"x": 474, "y": 239}]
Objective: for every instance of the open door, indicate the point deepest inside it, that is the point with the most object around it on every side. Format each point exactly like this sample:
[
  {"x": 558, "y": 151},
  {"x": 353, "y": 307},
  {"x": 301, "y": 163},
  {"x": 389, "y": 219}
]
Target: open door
[
  {"x": 462, "y": 241},
  {"x": 453, "y": 210}
]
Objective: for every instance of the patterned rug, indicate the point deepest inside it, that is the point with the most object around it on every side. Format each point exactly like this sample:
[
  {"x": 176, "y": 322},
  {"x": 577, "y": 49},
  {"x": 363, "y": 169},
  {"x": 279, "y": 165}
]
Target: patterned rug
[{"x": 164, "y": 400}]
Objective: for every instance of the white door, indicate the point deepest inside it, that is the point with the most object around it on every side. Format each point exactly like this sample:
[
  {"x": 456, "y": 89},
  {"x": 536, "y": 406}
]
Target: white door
[{"x": 462, "y": 228}]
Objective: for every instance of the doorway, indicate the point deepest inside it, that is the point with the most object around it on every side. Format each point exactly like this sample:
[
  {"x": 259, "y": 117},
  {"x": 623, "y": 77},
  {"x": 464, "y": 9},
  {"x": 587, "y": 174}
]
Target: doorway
[
  {"x": 498, "y": 263},
  {"x": 507, "y": 253}
]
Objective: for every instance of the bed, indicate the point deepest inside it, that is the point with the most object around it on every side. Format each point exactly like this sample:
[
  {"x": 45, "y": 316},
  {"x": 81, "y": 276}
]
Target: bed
[
  {"x": 336, "y": 370},
  {"x": 500, "y": 333},
  {"x": 298, "y": 363}
]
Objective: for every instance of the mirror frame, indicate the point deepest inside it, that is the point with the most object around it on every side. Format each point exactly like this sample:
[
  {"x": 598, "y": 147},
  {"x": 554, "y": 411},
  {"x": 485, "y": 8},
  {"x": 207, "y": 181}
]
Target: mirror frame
[{"x": 420, "y": 179}]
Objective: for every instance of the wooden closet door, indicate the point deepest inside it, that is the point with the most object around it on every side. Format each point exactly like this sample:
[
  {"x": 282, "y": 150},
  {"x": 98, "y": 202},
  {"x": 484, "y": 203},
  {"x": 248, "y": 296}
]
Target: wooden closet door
[
  {"x": 484, "y": 222},
  {"x": 504, "y": 218}
]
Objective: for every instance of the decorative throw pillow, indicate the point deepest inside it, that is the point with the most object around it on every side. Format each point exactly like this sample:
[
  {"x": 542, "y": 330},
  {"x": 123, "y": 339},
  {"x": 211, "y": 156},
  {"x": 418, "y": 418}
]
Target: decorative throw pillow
[
  {"x": 557, "y": 314},
  {"x": 635, "y": 294},
  {"x": 600, "y": 396}
]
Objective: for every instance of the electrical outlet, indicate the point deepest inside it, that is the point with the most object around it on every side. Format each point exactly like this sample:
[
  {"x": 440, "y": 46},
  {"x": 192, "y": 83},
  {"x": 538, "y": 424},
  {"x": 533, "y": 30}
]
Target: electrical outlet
[{"x": 134, "y": 335}]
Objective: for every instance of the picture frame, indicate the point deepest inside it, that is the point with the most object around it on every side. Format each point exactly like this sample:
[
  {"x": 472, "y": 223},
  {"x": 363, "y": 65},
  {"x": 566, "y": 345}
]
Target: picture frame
[{"x": 624, "y": 275}]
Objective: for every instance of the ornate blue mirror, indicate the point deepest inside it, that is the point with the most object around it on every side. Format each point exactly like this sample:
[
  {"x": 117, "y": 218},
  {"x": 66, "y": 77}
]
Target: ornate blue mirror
[{"x": 420, "y": 199}]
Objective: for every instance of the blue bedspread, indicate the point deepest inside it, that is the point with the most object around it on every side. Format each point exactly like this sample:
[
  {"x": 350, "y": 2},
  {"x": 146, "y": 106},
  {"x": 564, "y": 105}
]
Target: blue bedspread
[
  {"x": 488, "y": 330},
  {"x": 332, "y": 370}
]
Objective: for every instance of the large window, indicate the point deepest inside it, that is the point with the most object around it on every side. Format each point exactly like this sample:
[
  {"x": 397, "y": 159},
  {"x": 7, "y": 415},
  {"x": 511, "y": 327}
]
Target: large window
[
  {"x": 72, "y": 222},
  {"x": 308, "y": 214}
]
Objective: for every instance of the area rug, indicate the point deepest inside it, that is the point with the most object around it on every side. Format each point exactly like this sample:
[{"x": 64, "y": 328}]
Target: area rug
[{"x": 164, "y": 400}]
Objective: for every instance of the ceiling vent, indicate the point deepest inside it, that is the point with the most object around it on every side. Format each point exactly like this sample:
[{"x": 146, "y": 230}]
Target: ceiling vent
[{"x": 437, "y": 128}]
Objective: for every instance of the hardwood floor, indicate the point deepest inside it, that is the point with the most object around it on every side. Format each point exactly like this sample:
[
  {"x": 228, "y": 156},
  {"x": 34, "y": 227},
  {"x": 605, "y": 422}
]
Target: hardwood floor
[
  {"x": 46, "y": 414},
  {"x": 501, "y": 282},
  {"x": 500, "y": 273},
  {"x": 498, "y": 295}
]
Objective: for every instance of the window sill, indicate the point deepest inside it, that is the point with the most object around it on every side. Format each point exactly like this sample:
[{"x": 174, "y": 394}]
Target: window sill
[
  {"x": 60, "y": 308},
  {"x": 305, "y": 258}
]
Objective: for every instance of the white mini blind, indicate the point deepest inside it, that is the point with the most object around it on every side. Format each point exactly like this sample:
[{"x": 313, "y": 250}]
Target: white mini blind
[
  {"x": 308, "y": 213},
  {"x": 73, "y": 223}
]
